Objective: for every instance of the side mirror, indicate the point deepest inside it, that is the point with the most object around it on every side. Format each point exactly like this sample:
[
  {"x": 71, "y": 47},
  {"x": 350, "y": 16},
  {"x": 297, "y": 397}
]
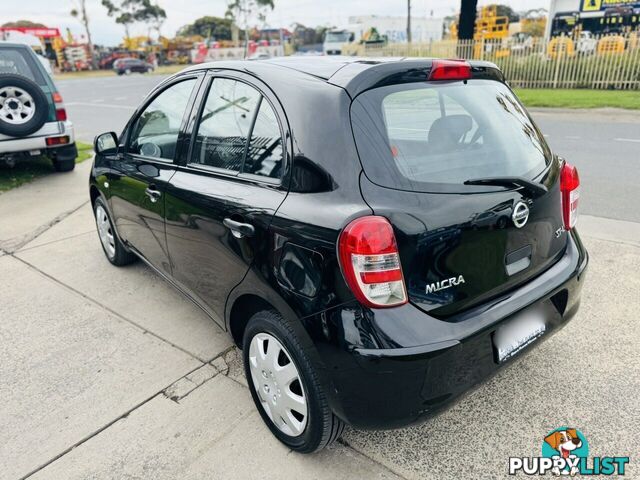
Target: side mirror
[{"x": 106, "y": 144}]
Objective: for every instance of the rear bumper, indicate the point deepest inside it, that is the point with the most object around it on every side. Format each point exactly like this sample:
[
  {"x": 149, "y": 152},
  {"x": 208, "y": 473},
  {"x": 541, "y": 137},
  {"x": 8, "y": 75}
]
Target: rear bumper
[
  {"x": 378, "y": 388},
  {"x": 37, "y": 140}
]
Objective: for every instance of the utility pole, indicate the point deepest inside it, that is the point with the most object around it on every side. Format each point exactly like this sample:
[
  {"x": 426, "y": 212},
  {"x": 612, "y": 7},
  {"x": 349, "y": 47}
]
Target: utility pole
[{"x": 408, "y": 21}]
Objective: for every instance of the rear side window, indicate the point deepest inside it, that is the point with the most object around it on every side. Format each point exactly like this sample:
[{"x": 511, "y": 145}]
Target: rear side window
[
  {"x": 238, "y": 131},
  {"x": 428, "y": 137},
  {"x": 20, "y": 61},
  {"x": 264, "y": 155}
]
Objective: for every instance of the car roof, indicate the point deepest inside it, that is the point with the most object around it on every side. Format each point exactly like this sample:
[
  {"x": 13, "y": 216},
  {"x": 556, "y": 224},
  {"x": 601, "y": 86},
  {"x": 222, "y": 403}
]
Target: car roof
[
  {"x": 13, "y": 45},
  {"x": 354, "y": 74}
]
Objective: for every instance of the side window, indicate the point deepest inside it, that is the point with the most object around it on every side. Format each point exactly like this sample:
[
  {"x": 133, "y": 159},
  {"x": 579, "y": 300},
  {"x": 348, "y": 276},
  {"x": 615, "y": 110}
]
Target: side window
[
  {"x": 238, "y": 131},
  {"x": 224, "y": 127},
  {"x": 264, "y": 156},
  {"x": 155, "y": 133}
]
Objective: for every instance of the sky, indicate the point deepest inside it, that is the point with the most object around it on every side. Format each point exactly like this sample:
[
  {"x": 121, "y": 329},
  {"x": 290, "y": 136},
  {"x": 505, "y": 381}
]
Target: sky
[{"x": 55, "y": 13}]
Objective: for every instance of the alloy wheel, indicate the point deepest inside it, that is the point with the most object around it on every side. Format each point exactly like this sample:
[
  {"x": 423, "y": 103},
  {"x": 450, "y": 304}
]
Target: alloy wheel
[
  {"x": 105, "y": 231},
  {"x": 278, "y": 384}
]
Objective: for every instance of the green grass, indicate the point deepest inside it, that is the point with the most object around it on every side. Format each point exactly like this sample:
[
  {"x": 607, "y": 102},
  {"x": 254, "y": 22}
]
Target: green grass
[
  {"x": 27, "y": 170},
  {"x": 580, "y": 98}
]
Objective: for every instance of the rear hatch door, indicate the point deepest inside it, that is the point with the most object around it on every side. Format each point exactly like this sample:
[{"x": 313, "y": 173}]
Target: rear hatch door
[{"x": 468, "y": 183}]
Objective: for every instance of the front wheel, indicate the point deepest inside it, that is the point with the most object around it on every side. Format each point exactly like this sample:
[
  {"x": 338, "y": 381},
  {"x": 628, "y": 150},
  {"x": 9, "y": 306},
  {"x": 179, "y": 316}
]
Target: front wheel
[
  {"x": 113, "y": 248},
  {"x": 285, "y": 386}
]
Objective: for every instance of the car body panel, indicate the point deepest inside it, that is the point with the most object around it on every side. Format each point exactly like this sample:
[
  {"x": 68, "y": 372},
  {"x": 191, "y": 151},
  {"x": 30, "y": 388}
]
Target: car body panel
[{"x": 208, "y": 260}]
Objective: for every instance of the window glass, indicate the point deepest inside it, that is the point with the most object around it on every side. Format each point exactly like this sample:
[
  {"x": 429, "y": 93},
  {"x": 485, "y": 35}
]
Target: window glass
[
  {"x": 16, "y": 60},
  {"x": 264, "y": 156},
  {"x": 155, "y": 133},
  {"x": 224, "y": 127},
  {"x": 421, "y": 136}
]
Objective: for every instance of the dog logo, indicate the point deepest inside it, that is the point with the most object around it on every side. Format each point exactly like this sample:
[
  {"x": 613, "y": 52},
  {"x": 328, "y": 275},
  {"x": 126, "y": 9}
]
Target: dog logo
[{"x": 568, "y": 445}]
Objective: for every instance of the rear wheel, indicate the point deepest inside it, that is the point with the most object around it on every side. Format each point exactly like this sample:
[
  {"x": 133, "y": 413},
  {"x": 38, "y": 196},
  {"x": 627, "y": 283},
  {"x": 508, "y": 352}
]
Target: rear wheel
[
  {"x": 111, "y": 244},
  {"x": 64, "y": 165},
  {"x": 285, "y": 386}
]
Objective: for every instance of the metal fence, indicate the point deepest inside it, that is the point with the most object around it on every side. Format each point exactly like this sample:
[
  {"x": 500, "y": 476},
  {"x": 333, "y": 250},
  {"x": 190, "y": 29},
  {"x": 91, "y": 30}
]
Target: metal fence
[{"x": 599, "y": 62}]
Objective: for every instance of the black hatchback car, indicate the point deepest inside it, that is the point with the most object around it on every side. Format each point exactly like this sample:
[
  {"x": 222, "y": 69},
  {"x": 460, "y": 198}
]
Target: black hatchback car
[{"x": 378, "y": 236}]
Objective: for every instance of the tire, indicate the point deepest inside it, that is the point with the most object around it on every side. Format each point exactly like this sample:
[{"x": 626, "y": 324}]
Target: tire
[
  {"x": 114, "y": 250},
  {"x": 321, "y": 427},
  {"x": 64, "y": 165},
  {"x": 23, "y": 105}
]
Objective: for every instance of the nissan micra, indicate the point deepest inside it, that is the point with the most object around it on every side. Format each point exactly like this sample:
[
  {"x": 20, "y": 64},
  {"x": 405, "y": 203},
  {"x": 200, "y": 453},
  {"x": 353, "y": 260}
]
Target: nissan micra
[{"x": 377, "y": 235}]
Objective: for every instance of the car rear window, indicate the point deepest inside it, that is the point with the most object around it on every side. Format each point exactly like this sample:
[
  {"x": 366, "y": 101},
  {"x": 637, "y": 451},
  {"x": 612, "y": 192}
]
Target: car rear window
[
  {"x": 18, "y": 60},
  {"x": 433, "y": 137}
]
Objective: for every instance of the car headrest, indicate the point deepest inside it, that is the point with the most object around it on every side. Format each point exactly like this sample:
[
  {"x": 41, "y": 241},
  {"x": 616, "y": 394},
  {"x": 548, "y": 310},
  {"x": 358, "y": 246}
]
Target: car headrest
[{"x": 447, "y": 132}]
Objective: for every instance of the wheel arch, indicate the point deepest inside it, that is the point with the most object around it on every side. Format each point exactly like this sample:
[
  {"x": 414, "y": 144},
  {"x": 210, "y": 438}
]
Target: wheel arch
[
  {"x": 252, "y": 295},
  {"x": 94, "y": 193}
]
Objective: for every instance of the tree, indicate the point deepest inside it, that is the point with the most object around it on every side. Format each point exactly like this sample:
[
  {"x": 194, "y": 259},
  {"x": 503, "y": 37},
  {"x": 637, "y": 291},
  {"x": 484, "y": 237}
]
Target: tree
[
  {"x": 128, "y": 12},
  {"x": 507, "y": 11},
  {"x": 81, "y": 14},
  {"x": 151, "y": 13},
  {"x": 208, "y": 27},
  {"x": 243, "y": 11},
  {"x": 23, "y": 24}
]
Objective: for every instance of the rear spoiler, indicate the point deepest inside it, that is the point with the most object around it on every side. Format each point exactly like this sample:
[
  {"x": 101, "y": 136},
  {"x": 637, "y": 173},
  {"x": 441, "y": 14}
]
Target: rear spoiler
[{"x": 360, "y": 76}]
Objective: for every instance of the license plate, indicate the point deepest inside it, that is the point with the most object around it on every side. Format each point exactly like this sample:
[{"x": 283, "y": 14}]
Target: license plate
[
  {"x": 517, "y": 334},
  {"x": 34, "y": 152}
]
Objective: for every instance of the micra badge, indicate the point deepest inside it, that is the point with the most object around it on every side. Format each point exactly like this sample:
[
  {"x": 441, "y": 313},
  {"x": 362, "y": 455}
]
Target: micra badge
[{"x": 444, "y": 284}]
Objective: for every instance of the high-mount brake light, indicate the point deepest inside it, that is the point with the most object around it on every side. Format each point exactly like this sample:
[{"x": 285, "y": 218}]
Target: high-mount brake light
[
  {"x": 370, "y": 262},
  {"x": 450, "y": 70},
  {"x": 570, "y": 190}
]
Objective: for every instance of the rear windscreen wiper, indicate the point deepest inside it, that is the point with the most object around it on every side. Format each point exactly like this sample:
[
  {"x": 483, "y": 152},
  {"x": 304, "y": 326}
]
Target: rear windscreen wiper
[{"x": 534, "y": 189}]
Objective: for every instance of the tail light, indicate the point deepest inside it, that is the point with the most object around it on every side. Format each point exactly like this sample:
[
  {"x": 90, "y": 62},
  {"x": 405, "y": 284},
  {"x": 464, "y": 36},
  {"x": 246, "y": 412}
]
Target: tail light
[
  {"x": 54, "y": 141},
  {"x": 570, "y": 189},
  {"x": 370, "y": 262},
  {"x": 450, "y": 70},
  {"x": 61, "y": 113}
]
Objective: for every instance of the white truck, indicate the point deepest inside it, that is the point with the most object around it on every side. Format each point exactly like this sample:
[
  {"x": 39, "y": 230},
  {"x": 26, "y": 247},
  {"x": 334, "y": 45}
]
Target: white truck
[{"x": 335, "y": 38}]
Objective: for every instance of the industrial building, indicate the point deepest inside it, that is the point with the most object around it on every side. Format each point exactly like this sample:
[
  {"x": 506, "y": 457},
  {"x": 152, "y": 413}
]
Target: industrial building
[{"x": 596, "y": 16}]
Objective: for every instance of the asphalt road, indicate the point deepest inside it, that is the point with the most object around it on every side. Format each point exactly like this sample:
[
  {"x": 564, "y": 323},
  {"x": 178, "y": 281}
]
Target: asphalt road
[{"x": 604, "y": 145}]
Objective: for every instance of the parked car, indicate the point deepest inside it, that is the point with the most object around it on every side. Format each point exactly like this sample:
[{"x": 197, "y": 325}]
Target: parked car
[
  {"x": 126, "y": 66},
  {"x": 33, "y": 119},
  {"x": 587, "y": 43},
  {"x": 340, "y": 248}
]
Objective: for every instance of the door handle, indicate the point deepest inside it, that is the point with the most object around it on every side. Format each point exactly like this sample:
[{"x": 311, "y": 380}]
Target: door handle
[
  {"x": 153, "y": 194},
  {"x": 239, "y": 229}
]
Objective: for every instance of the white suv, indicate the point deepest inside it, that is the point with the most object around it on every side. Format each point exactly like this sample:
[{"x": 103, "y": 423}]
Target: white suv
[{"x": 33, "y": 120}]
